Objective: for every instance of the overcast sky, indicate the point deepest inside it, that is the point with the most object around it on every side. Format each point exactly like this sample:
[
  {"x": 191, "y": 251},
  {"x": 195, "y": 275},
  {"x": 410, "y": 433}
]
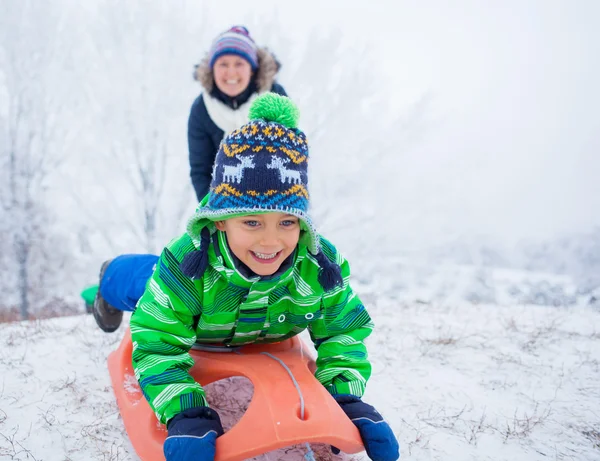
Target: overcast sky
[
  {"x": 516, "y": 85},
  {"x": 514, "y": 142}
]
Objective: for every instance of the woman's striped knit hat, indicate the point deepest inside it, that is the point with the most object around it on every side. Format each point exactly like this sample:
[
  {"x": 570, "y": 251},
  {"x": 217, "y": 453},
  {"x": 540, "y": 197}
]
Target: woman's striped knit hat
[
  {"x": 261, "y": 167},
  {"x": 236, "y": 41}
]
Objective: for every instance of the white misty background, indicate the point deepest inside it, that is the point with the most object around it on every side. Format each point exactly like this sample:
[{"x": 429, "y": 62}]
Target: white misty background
[{"x": 445, "y": 140}]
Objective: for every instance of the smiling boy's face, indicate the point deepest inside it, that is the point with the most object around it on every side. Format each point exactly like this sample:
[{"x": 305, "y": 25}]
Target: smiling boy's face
[{"x": 262, "y": 242}]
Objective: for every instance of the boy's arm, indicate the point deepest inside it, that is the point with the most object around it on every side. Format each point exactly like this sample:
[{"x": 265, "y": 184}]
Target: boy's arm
[
  {"x": 162, "y": 332},
  {"x": 342, "y": 362}
]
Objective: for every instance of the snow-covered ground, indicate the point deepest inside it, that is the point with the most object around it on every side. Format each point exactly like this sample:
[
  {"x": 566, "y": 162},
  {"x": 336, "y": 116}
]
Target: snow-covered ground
[
  {"x": 463, "y": 137},
  {"x": 455, "y": 381}
]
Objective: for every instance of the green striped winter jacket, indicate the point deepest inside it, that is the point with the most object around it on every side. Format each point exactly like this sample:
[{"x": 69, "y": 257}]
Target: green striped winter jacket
[{"x": 225, "y": 307}]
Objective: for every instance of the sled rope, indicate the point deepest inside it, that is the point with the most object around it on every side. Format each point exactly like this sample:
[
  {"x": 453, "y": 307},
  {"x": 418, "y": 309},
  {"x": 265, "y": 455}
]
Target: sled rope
[{"x": 310, "y": 455}]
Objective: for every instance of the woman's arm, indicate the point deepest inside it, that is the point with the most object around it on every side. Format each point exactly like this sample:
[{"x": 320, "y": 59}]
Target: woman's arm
[{"x": 201, "y": 149}]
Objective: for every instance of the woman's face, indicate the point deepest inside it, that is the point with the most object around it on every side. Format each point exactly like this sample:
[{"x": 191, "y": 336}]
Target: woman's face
[{"x": 232, "y": 74}]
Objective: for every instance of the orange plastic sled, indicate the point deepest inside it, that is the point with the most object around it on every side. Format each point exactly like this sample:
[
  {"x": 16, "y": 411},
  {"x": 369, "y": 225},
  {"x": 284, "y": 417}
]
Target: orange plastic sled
[{"x": 272, "y": 420}]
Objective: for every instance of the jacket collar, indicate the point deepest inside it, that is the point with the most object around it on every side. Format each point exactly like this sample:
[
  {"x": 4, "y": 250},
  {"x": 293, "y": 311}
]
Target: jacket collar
[{"x": 235, "y": 101}]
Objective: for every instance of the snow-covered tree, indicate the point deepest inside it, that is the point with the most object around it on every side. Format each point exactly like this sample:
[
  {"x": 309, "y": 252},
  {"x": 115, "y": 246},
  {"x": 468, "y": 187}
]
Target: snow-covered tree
[
  {"x": 34, "y": 141},
  {"x": 144, "y": 113}
]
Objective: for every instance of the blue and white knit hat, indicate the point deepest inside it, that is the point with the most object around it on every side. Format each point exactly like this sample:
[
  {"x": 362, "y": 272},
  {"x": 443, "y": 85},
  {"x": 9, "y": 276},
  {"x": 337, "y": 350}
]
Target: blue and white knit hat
[
  {"x": 261, "y": 167},
  {"x": 236, "y": 41}
]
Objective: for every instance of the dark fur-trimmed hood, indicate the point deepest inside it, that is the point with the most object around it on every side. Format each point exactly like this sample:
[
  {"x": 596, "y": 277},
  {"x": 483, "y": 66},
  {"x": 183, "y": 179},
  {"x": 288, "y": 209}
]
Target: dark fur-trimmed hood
[{"x": 268, "y": 66}]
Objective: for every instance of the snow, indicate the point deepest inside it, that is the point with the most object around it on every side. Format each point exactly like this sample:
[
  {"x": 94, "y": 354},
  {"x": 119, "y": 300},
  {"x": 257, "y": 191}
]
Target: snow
[
  {"x": 455, "y": 381},
  {"x": 464, "y": 203}
]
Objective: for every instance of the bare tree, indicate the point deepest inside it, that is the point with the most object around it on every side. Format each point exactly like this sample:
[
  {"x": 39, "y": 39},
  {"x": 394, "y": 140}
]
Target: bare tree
[
  {"x": 31, "y": 130},
  {"x": 145, "y": 113}
]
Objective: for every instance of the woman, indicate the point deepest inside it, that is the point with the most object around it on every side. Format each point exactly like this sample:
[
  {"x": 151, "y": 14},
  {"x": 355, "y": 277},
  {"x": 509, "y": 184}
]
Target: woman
[{"x": 234, "y": 72}]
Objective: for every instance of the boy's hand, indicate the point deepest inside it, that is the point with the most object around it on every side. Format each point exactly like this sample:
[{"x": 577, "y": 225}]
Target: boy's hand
[
  {"x": 193, "y": 435},
  {"x": 378, "y": 438}
]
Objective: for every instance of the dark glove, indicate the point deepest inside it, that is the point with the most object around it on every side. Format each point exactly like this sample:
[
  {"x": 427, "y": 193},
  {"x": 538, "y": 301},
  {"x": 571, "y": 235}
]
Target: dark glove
[
  {"x": 377, "y": 436},
  {"x": 193, "y": 435}
]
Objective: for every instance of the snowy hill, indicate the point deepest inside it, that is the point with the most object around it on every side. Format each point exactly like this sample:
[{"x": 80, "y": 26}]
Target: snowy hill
[
  {"x": 454, "y": 157},
  {"x": 456, "y": 381}
]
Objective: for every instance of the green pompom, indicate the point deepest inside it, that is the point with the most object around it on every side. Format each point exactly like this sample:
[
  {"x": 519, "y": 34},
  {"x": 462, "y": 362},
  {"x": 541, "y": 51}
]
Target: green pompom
[{"x": 273, "y": 107}]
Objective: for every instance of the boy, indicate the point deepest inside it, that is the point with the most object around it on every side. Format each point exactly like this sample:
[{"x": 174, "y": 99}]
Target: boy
[{"x": 252, "y": 268}]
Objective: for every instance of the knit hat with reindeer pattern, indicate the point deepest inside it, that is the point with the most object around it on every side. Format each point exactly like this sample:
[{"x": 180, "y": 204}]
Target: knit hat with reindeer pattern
[{"x": 261, "y": 167}]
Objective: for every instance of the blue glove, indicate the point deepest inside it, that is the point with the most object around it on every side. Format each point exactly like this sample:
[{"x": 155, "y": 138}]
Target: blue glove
[
  {"x": 193, "y": 435},
  {"x": 377, "y": 436}
]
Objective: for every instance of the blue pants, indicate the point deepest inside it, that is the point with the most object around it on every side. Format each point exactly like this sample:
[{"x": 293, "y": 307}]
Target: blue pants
[{"x": 125, "y": 279}]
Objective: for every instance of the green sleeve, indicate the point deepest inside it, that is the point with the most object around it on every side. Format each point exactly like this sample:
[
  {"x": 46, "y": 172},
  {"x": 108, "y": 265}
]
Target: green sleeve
[
  {"x": 342, "y": 362},
  {"x": 162, "y": 332}
]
